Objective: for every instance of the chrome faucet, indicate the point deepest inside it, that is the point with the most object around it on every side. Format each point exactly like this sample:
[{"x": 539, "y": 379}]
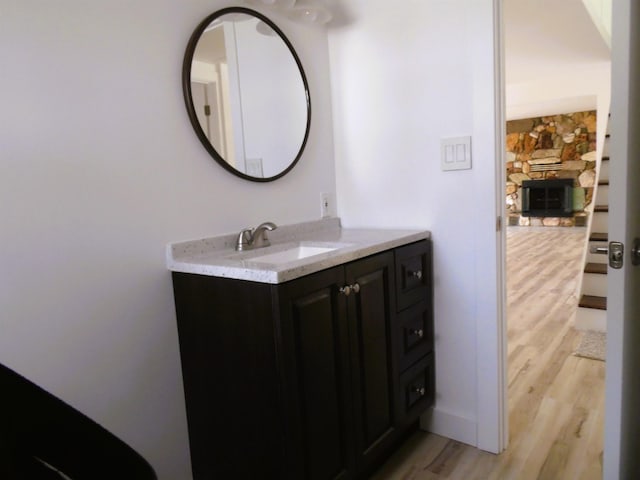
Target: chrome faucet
[{"x": 250, "y": 238}]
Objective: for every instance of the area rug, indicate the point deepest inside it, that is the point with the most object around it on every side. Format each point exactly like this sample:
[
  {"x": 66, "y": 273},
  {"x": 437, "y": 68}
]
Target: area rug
[{"x": 593, "y": 345}]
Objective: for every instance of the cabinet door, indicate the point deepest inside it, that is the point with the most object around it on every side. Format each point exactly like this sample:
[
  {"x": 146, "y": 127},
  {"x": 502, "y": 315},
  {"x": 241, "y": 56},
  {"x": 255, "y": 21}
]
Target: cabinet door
[
  {"x": 371, "y": 314},
  {"x": 315, "y": 359}
]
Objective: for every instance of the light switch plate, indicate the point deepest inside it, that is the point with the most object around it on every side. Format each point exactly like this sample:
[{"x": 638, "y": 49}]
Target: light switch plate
[{"x": 456, "y": 153}]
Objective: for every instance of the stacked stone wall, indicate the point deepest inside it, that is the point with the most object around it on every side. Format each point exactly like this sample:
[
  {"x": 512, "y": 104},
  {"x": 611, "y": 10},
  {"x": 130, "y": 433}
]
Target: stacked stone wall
[{"x": 551, "y": 147}]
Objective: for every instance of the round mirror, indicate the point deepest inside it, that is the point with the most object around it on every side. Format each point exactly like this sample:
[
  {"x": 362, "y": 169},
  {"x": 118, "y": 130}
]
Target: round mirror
[{"x": 246, "y": 94}]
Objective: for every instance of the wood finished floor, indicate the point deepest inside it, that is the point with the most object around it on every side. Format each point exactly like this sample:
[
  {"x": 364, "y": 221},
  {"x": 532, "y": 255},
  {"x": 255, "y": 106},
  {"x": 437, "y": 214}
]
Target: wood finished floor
[{"x": 556, "y": 400}]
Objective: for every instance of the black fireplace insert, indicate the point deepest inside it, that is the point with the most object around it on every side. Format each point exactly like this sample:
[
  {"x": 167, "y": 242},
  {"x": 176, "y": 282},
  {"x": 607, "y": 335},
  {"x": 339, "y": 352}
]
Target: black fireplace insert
[{"x": 547, "y": 198}]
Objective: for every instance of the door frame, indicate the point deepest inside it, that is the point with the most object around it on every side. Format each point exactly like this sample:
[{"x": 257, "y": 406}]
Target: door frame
[
  {"x": 501, "y": 227},
  {"x": 621, "y": 36},
  {"x": 491, "y": 335}
]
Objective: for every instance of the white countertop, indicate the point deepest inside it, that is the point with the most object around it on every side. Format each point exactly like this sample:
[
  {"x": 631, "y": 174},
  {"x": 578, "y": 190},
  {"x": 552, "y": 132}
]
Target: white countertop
[{"x": 216, "y": 256}]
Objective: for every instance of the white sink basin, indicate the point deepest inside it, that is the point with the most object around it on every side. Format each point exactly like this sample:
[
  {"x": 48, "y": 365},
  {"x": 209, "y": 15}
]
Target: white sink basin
[{"x": 292, "y": 254}]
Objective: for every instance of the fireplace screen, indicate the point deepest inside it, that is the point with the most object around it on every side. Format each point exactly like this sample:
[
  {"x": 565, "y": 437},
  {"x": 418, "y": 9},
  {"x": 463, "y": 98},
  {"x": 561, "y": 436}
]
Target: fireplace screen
[{"x": 547, "y": 198}]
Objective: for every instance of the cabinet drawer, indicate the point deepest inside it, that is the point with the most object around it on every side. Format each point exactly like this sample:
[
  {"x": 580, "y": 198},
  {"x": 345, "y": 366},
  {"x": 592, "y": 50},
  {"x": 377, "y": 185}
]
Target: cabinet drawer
[
  {"x": 414, "y": 334},
  {"x": 413, "y": 273},
  {"x": 417, "y": 389}
]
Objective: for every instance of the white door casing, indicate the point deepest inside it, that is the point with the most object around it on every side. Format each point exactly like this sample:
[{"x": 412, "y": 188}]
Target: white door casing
[{"x": 489, "y": 129}]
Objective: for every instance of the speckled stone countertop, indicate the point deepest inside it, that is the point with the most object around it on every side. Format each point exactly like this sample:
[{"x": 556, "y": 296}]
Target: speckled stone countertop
[{"x": 216, "y": 256}]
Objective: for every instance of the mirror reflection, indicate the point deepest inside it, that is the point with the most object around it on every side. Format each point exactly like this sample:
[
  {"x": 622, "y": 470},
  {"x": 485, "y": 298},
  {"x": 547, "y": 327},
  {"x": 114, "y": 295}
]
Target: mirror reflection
[{"x": 247, "y": 94}]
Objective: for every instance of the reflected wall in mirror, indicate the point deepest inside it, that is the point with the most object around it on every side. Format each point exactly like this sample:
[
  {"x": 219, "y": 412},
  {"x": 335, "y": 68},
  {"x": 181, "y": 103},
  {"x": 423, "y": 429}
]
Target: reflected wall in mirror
[{"x": 246, "y": 94}]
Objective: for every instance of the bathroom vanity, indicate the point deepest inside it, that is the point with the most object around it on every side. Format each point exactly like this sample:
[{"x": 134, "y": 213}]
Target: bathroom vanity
[{"x": 304, "y": 368}]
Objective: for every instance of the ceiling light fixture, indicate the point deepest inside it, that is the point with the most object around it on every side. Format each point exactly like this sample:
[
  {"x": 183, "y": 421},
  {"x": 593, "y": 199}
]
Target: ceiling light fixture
[
  {"x": 309, "y": 14},
  {"x": 299, "y": 11},
  {"x": 273, "y": 3}
]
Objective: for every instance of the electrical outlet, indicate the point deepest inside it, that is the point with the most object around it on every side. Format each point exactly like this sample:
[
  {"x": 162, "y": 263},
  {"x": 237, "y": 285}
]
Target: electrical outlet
[{"x": 325, "y": 205}]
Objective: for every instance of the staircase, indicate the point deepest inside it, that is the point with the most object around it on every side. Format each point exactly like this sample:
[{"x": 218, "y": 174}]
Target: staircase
[{"x": 592, "y": 308}]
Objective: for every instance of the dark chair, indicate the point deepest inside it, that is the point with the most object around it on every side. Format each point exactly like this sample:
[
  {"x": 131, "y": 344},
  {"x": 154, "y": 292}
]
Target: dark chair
[{"x": 41, "y": 437}]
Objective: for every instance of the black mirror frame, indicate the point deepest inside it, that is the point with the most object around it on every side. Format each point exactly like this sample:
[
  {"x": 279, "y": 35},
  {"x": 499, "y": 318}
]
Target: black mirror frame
[{"x": 188, "y": 98}]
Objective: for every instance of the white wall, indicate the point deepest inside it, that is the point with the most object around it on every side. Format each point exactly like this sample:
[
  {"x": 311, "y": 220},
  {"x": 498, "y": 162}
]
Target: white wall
[
  {"x": 274, "y": 124},
  {"x": 402, "y": 79},
  {"x": 99, "y": 169},
  {"x": 576, "y": 87}
]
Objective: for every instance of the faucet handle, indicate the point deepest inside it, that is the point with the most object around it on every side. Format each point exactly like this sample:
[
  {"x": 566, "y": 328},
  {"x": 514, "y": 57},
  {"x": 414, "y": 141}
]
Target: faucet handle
[
  {"x": 245, "y": 237},
  {"x": 267, "y": 226},
  {"x": 249, "y": 238},
  {"x": 259, "y": 238}
]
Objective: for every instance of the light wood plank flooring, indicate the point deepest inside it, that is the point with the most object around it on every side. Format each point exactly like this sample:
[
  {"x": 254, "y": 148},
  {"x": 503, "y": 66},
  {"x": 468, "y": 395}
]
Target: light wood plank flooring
[{"x": 556, "y": 400}]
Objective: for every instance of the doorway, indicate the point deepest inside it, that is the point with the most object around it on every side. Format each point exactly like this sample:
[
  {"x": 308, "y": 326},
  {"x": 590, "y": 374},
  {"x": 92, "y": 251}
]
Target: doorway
[{"x": 555, "y": 418}]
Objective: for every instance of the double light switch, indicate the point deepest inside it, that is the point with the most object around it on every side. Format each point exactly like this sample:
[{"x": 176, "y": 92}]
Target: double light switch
[{"x": 456, "y": 153}]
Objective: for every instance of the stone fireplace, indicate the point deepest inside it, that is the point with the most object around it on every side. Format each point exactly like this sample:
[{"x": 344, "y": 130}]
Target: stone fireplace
[{"x": 550, "y": 169}]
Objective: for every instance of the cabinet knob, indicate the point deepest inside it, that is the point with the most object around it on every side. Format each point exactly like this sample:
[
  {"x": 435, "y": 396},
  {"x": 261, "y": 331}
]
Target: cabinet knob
[
  {"x": 419, "y": 390},
  {"x": 418, "y": 333},
  {"x": 417, "y": 274},
  {"x": 348, "y": 289}
]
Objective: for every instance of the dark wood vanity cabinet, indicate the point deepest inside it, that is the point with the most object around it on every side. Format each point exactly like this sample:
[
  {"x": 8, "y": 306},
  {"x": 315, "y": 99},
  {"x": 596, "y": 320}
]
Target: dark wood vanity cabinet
[
  {"x": 414, "y": 330},
  {"x": 317, "y": 378}
]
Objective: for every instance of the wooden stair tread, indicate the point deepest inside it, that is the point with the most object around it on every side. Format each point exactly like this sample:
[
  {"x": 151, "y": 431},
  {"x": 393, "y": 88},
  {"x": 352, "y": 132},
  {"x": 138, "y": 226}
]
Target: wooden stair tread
[
  {"x": 601, "y": 208},
  {"x": 592, "y": 301},
  {"x": 596, "y": 268},
  {"x": 599, "y": 237}
]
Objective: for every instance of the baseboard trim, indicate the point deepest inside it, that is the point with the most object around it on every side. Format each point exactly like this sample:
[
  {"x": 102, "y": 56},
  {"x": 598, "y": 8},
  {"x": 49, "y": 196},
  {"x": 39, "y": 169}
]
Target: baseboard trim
[{"x": 451, "y": 426}]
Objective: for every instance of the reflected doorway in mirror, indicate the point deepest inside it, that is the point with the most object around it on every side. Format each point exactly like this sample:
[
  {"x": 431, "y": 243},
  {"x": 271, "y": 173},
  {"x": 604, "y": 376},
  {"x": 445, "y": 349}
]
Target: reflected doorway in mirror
[{"x": 239, "y": 69}]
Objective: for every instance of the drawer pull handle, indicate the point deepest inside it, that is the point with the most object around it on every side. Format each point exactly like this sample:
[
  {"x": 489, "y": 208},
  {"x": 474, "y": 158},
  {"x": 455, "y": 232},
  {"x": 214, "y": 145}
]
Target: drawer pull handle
[
  {"x": 347, "y": 289},
  {"x": 417, "y": 274},
  {"x": 419, "y": 390},
  {"x": 418, "y": 333}
]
